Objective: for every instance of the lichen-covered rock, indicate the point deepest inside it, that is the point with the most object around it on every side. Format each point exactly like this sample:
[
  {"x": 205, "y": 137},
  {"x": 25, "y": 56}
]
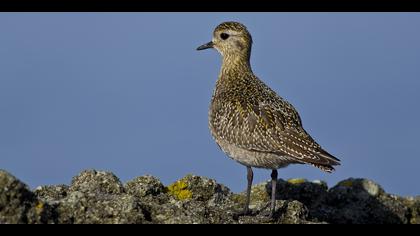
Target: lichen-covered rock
[
  {"x": 143, "y": 186},
  {"x": 415, "y": 211},
  {"x": 18, "y": 205},
  {"x": 259, "y": 197},
  {"x": 93, "y": 181},
  {"x": 193, "y": 200},
  {"x": 96, "y": 208},
  {"x": 188, "y": 212},
  {"x": 311, "y": 194},
  {"x": 287, "y": 212},
  {"x": 292, "y": 212},
  {"x": 52, "y": 193},
  {"x": 180, "y": 190},
  {"x": 413, "y": 203},
  {"x": 100, "y": 197},
  {"x": 361, "y": 201},
  {"x": 199, "y": 189}
]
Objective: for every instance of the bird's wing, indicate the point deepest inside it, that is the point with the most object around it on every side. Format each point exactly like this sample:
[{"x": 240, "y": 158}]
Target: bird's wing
[
  {"x": 281, "y": 124},
  {"x": 256, "y": 118},
  {"x": 272, "y": 127}
]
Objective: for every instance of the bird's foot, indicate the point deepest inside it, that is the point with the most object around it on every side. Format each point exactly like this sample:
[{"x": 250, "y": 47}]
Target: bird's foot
[
  {"x": 269, "y": 212},
  {"x": 270, "y": 215}
]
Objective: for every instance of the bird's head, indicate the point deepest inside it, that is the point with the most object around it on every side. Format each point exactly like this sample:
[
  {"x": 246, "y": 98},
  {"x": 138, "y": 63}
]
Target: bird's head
[{"x": 231, "y": 39}]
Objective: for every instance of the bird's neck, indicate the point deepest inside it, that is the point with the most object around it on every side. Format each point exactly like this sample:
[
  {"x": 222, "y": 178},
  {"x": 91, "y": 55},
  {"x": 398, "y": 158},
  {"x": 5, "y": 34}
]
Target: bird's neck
[
  {"x": 234, "y": 65},
  {"x": 235, "y": 72}
]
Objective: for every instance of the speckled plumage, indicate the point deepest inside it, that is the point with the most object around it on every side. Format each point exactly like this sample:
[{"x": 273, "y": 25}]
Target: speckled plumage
[{"x": 248, "y": 120}]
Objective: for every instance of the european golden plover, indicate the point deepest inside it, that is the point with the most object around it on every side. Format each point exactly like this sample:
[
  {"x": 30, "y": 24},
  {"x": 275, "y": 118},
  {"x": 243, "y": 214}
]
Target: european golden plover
[{"x": 249, "y": 121}]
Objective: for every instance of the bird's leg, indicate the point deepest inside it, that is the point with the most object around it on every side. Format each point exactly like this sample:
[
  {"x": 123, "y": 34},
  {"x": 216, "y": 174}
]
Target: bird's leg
[
  {"x": 274, "y": 175},
  {"x": 250, "y": 177}
]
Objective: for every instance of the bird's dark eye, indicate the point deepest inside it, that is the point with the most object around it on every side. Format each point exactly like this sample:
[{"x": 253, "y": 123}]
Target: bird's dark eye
[{"x": 224, "y": 36}]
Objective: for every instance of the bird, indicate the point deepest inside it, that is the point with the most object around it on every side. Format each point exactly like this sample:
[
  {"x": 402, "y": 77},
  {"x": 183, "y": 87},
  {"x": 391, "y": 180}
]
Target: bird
[{"x": 250, "y": 122}]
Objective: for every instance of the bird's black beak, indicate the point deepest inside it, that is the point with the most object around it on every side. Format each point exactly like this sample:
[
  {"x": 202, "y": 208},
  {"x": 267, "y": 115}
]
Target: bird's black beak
[{"x": 205, "y": 46}]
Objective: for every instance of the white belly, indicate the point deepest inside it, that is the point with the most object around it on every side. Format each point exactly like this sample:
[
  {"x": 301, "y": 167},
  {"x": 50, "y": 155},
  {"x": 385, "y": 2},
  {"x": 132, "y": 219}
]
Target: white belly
[{"x": 253, "y": 158}]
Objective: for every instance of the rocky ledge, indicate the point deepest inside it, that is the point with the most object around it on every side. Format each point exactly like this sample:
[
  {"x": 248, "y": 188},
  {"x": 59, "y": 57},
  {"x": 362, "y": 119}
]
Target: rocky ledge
[{"x": 100, "y": 197}]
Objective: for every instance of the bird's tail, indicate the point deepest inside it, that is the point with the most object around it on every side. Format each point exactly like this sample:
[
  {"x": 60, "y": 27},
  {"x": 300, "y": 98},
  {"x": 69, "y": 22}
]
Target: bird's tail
[
  {"x": 329, "y": 161},
  {"x": 326, "y": 168}
]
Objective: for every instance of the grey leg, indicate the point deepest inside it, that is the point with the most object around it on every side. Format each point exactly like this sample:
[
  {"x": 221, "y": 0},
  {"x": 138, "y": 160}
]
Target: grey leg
[
  {"x": 274, "y": 175},
  {"x": 250, "y": 177}
]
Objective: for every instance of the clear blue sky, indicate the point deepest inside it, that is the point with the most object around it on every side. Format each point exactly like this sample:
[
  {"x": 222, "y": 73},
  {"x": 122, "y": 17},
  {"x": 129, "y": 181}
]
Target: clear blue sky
[{"x": 128, "y": 93}]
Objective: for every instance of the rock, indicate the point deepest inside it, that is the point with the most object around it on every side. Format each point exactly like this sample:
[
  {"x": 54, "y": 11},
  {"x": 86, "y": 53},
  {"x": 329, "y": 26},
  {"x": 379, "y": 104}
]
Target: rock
[
  {"x": 199, "y": 189},
  {"x": 93, "y": 181},
  {"x": 361, "y": 201},
  {"x": 413, "y": 204},
  {"x": 188, "y": 212},
  {"x": 86, "y": 208},
  {"x": 292, "y": 212},
  {"x": 99, "y": 197},
  {"x": 193, "y": 199},
  {"x": 96, "y": 197},
  {"x": 309, "y": 193},
  {"x": 18, "y": 205},
  {"x": 259, "y": 197},
  {"x": 415, "y": 211},
  {"x": 144, "y": 186},
  {"x": 52, "y": 193}
]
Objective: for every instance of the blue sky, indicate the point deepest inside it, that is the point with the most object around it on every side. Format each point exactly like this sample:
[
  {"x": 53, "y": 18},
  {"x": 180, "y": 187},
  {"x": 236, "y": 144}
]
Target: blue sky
[{"x": 128, "y": 93}]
